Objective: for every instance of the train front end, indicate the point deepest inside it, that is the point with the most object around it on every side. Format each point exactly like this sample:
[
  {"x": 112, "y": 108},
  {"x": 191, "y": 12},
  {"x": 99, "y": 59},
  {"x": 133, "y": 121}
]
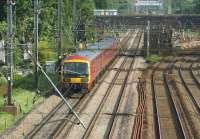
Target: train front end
[{"x": 75, "y": 74}]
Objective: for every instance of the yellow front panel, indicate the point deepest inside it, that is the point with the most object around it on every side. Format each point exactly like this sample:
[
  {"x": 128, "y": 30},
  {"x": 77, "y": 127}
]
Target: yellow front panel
[{"x": 75, "y": 80}]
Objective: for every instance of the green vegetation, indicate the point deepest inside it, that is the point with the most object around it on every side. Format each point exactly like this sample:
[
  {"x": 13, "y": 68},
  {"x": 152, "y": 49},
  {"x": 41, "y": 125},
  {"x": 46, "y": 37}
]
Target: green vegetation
[
  {"x": 24, "y": 100},
  {"x": 183, "y": 6},
  {"x": 153, "y": 58},
  {"x": 1, "y": 101},
  {"x": 3, "y": 85},
  {"x": 44, "y": 84},
  {"x": 23, "y": 25},
  {"x": 3, "y": 80},
  {"x": 24, "y": 96},
  {"x": 5, "y": 120},
  {"x": 27, "y": 82}
]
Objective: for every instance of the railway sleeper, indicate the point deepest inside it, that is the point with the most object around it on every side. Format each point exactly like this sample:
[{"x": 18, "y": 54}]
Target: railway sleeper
[
  {"x": 126, "y": 70},
  {"x": 120, "y": 114}
]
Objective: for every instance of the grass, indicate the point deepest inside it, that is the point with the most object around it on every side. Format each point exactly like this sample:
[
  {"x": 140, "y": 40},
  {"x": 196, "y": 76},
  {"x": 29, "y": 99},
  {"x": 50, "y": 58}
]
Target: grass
[
  {"x": 153, "y": 58},
  {"x": 24, "y": 100},
  {"x": 24, "y": 97},
  {"x": 6, "y": 120},
  {"x": 1, "y": 101}
]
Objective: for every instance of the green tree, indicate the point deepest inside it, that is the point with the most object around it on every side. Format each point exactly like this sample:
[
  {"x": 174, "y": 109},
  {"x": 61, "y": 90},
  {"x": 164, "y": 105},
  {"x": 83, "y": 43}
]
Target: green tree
[
  {"x": 196, "y": 6},
  {"x": 23, "y": 15},
  {"x": 2, "y": 11},
  {"x": 101, "y": 4}
]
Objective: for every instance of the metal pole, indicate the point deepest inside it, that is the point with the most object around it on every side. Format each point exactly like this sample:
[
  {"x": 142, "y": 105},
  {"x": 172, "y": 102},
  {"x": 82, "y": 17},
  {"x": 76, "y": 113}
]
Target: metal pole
[
  {"x": 148, "y": 36},
  {"x": 74, "y": 23},
  {"x": 59, "y": 21},
  {"x": 10, "y": 50},
  {"x": 36, "y": 13}
]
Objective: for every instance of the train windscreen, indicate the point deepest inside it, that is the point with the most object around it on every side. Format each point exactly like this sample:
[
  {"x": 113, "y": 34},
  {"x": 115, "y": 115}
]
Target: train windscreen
[{"x": 75, "y": 69}]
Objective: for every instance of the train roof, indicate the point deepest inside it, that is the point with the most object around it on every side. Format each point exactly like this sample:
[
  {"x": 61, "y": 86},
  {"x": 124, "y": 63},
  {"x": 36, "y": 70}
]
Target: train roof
[
  {"x": 94, "y": 49},
  {"x": 88, "y": 54},
  {"x": 102, "y": 44}
]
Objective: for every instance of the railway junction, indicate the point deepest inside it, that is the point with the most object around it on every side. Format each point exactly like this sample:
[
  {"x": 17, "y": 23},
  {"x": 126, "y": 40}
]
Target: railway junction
[{"x": 140, "y": 79}]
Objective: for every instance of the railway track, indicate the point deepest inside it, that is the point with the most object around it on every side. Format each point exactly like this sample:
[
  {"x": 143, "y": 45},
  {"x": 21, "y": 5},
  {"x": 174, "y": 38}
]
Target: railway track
[
  {"x": 54, "y": 117},
  {"x": 166, "y": 119},
  {"x": 117, "y": 122},
  {"x": 194, "y": 71},
  {"x": 183, "y": 125},
  {"x": 189, "y": 110},
  {"x": 114, "y": 113},
  {"x": 117, "y": 79},
  {"x": 96, "y": 115},
  {"x": 191, "y": 85},
  {"x": 175, "y": 91},
  {"x": 57, "y": 118}
]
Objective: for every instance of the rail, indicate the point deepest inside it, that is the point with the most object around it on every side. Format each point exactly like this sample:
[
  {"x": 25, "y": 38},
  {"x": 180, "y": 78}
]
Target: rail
[
  {"x": 178, "y": 118},
  {"x": 48, "y": 118},
  {"x": 96, "y": 115},
  {"x": 188, "y": 90},
  {"x": 158, "y": 134},
  {"x": 109, "y": 130},
  {"x": 193, "y": 76}
]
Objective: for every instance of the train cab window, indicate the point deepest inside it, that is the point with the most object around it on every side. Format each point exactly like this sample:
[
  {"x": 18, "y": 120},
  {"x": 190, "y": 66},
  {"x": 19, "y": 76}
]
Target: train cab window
[{"x": 75, "y": 69}]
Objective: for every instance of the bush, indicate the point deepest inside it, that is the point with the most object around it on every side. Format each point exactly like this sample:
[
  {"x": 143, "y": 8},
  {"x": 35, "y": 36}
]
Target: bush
[
  {"x": 3, "y": 80},
  {"x": 46, "y": 52},
  {"x": 25, "y": 82},
  {"x": 16, "y": 76},
  {"x": 3, "y": 85},
  {"x": 153, "y": 58}
]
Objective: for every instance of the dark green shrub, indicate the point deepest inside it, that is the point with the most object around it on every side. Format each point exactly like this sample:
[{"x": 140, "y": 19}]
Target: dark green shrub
[{"x": 3, "y": 80}]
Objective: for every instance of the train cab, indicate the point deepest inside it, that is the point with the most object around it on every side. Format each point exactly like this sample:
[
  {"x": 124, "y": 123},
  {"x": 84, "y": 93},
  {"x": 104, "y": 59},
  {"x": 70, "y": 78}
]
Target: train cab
[{"x": 76, "y": 74}]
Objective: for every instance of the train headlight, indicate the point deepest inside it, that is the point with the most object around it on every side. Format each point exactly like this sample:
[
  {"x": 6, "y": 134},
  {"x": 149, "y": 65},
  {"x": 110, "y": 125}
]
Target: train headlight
[{"x": 84, "y": 80}]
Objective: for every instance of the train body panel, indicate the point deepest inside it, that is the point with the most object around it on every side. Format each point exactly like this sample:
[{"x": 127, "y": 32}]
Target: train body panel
[{"x": 82, "y": 68}]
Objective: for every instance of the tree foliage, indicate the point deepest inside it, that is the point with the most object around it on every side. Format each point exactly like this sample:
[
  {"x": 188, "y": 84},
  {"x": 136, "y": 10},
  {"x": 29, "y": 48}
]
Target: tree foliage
[
  {"x": 186, "y": 6},
  {"x": 197, "y": 6},
  {"x": 23, "y": 21}
]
